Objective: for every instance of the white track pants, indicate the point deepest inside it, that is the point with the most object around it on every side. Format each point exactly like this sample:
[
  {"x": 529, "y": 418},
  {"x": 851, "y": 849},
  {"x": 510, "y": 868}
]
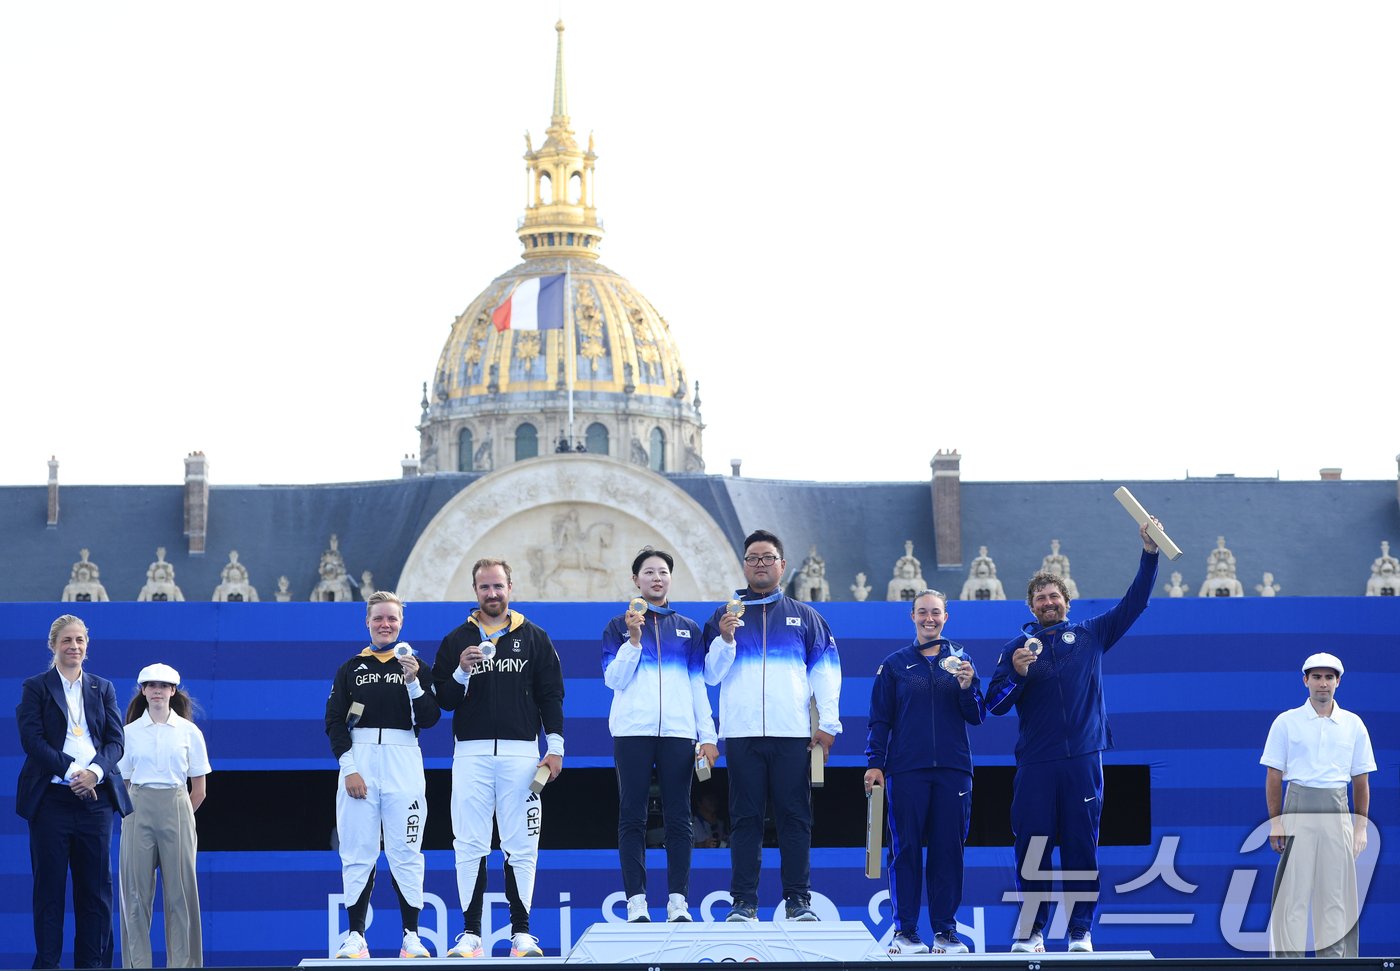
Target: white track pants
[
  {"x": 499, "y": 785},
  {"x": 396, "y": 806}
]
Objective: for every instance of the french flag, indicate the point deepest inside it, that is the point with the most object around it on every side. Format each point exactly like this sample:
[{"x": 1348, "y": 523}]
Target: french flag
[{"x": 534, "y": 304}]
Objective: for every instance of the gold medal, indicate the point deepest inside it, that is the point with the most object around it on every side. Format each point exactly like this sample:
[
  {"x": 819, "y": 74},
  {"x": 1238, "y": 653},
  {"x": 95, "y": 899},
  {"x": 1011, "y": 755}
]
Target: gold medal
[
  {"x": 638, "y": 604},
  {"x": 78, "y": 730},
  {"x": 736, "y": 608}
]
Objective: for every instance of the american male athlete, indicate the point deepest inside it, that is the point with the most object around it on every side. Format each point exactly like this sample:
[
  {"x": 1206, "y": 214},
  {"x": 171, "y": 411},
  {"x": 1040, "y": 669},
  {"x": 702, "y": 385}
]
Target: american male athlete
[{"x": 1057, "y": 692}]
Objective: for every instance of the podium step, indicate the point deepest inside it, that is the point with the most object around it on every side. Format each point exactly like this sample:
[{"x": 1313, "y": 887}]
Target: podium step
[{"x": 790, "y": 941}]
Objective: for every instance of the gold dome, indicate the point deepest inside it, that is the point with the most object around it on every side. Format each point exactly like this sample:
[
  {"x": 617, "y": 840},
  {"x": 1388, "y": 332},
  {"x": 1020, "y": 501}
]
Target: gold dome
[{"x": 611, "y": 381}]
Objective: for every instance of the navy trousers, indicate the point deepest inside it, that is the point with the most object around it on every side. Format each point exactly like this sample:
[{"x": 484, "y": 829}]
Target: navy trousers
[
  {"x": 674, "y": 759},
  {"x": 933, "y": 808},
  {"x": 69, "y": 833},
  {"x": 1060, "y": 801},
  {"x": 763, "y": 772}
]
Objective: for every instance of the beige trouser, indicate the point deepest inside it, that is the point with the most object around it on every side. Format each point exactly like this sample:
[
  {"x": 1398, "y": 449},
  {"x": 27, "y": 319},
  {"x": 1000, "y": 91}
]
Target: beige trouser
[
  {"x": 160, "y": 833},
  {"x": 1317, "y": 867}
]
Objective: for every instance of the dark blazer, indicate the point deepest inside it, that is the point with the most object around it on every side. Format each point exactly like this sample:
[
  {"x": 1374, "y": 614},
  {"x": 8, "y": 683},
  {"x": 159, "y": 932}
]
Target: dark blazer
[{"x": 43, "y": 726}]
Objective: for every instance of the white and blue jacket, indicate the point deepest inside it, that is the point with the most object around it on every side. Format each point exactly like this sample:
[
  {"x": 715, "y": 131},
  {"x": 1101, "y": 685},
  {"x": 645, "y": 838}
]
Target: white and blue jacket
[
  {"x": 1060, "y": 699},
  {"x": 919, "y": 713},
  {"x": 782, "y": 656},
  {"x": 659, "y": 687}
]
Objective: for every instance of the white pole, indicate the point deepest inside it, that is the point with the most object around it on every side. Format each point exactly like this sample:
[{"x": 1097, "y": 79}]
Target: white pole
[{"x": 569, "y": 362}]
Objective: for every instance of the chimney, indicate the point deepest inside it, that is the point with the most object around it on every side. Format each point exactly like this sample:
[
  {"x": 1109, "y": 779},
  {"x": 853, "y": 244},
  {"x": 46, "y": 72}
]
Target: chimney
[
  {"x": 410, "y": 465},
  {"x": 1330, "y": 475},
  {"x": 947, "y": 507},
  {"x": 734, "y": 467},
  {"x": 53, "y": 491},
  {"x": 196, "y": 501}
]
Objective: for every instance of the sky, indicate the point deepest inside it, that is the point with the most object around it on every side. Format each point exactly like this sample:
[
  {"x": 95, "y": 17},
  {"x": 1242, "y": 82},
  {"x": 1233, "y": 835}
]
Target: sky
[{"x": 1087, "y": 240}]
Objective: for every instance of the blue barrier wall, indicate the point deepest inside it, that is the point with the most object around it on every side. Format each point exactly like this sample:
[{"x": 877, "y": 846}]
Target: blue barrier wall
[{"x": 1191, "y": 692}]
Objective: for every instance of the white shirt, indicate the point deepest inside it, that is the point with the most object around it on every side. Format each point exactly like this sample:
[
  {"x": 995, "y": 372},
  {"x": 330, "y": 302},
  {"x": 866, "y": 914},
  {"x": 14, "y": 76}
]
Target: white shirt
[
  {"x": 163, "y": 755},
  {"x": 1318, "y": 752},
  {"x": 77, "y": 742}
]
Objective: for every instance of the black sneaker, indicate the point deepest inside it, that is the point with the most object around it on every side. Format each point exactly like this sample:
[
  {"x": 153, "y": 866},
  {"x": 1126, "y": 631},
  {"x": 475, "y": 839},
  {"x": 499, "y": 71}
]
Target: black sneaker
[
  {"x": 799, "y": 908},
  {"x": 742, "y": 911}
]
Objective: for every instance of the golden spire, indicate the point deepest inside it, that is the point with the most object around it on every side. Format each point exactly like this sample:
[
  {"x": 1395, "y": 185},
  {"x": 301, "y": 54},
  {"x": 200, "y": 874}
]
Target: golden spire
[
  {"x": 561, "y": 100},
  {"x": 560, "y": 218}
]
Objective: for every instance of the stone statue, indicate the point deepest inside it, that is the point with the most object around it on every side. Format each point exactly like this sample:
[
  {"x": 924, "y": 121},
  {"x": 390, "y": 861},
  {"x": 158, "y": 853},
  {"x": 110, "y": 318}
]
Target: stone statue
[
  {"x": 234, "y": 586},
  {"x": 335, "y": 582},
  {"x": 859, "y": 589},
  {"x": 1385, "y": 574},
  {"x": 810, "y": 583},
  {"x": 576, "y": 562},
  {"x": 908, "y": 580},
  {"x": 83, "y": 585},
  {"x": 284, "y": 590},
  {"x": 1220, "y": 573},
  {"x": 1058, "y": 564},
  {"x": 982, "y": 582},
  {"x": 366, "y": 585},
  {"x": 160, "y": 581},
  {"x": 1176, "y": 588},
  {"x": 1268, "y": 588}
]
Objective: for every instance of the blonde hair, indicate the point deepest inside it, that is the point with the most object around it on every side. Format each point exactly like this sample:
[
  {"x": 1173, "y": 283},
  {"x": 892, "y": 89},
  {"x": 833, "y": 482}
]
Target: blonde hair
[{"x": 382, "y": 597}]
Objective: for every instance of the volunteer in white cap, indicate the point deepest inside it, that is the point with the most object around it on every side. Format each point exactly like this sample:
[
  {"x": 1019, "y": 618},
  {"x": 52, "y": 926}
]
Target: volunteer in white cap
[
  {"x": 164, "y": 750},
  {"x": 1317, "y": 748}
]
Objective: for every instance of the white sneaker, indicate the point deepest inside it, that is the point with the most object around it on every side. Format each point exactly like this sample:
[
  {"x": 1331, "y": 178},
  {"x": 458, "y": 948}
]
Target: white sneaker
[
  {"x": 524, "y": 945},
  {"x": 354, "y": 946},
  {"x": 412, "y": 947},
  {"x": 908, "y": 943},
  {"x": 467, "y": 946},
  {"x": 948, "y": 942},
  {"x": 677, "y": 910},
  {"x": 637, "y": 909},
  {"x": 1081, "y": 941},
  {"x": 1035, "y": 943}
]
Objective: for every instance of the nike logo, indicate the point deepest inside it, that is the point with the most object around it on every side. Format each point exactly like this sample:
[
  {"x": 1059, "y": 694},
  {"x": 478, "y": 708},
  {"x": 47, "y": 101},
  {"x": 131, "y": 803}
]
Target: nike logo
[
  {"x": 1090, "y": 798},
  {"x": 908, "y": 666},
  {"x": 964, "y": 793}
]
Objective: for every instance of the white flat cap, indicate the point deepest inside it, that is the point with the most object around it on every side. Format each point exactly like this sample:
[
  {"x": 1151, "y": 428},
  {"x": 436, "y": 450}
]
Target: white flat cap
[
  {"x": 1324, "y": 661},
  {"x": 164, "y": 672}
]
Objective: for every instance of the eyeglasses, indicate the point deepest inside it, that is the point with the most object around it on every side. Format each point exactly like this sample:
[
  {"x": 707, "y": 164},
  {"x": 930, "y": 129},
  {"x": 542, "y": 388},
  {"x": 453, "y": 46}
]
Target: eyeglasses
[{"x": 767, "y": 559}]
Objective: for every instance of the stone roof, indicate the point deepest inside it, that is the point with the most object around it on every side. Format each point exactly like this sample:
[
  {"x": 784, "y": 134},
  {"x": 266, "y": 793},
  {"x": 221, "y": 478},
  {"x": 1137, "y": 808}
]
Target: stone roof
[{"x": 1317, "y": 538}]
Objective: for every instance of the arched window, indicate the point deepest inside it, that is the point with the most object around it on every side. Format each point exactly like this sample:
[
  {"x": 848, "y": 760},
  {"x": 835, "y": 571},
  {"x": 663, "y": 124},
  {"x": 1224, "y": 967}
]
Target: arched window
[
  {"x": 464, "y": 450},
  {"x": 527, "y": 442},
  {"x": 546, "y": 189},
  {"x": 658, "y": 450},
  {"x": 598, "y": 438},
  {"x": 576, "y": 189}
]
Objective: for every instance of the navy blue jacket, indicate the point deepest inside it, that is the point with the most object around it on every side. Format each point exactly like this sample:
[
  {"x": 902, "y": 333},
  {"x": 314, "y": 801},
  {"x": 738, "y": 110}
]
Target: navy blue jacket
[
  {"x": 1060, "y": 700},
  {"x": 919, "y": 713},
  {"x": 42, "y": 717}
]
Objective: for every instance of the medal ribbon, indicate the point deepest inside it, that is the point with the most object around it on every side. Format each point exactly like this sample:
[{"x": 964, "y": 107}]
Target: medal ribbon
[
  {"x": 776, "y": 595},
  {"x": 661, "y": 611},
  {"x": 75, "y": 716}
]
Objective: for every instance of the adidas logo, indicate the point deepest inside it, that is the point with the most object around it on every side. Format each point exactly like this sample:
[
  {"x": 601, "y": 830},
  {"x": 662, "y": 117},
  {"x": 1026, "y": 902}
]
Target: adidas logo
[
  {"x": 363, "y": 667},
  {"x": 413, "y": 808}
]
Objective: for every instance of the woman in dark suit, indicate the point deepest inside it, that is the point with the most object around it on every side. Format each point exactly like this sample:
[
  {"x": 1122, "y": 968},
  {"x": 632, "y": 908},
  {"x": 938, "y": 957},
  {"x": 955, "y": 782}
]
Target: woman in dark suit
[{"x": 69, "y": 786}]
